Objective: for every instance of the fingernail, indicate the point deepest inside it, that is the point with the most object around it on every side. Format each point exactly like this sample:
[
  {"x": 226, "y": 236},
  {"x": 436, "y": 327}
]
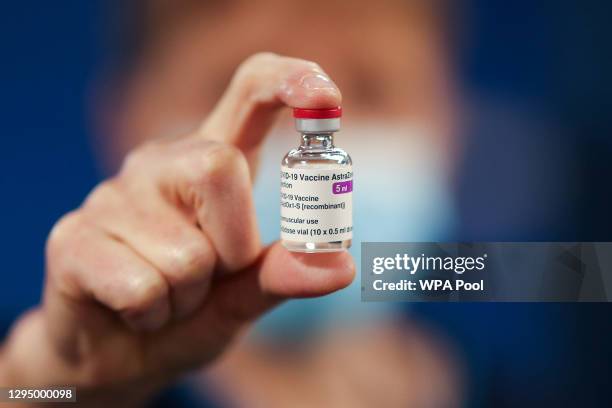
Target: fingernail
[{"x": 317, "y": 81}]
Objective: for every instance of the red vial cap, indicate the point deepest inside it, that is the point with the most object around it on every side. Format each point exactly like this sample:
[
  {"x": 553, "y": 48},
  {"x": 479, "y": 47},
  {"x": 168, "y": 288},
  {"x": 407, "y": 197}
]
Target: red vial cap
[{"x": 317, "y": 113}]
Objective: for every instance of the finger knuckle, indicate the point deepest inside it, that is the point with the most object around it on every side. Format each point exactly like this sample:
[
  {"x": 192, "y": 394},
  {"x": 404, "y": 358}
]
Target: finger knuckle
[
  {"x": 251, "y": 71},
  {"x": 105, "y": 195},
  {"x": 221, "y": 157},
  {"x": 142, "y": 292},
  {"x": 221, "y": 164},
  {"x": 140, "y": 158},
  {"x": 190, "y": 263},
  {"x": 255, "y": 63},
  {"x": 64, "y": 248},
  {"x": 62, "y": 234}
]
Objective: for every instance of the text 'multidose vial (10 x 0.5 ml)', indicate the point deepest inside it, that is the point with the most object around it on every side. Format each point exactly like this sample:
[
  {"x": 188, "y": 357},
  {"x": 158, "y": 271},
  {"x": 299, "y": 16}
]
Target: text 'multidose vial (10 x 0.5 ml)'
[{"x": 317, "y": 186}]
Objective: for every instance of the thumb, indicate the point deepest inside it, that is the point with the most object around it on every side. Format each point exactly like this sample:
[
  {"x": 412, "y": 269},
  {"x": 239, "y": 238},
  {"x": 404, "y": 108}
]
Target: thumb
[
  {"x": 238, "y": 299},
  {"x": 279, "y": 275}
]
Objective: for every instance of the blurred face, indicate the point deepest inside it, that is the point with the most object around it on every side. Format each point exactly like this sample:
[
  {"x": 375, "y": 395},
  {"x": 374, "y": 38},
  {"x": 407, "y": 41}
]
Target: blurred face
[{"x": 387, "y": 57}]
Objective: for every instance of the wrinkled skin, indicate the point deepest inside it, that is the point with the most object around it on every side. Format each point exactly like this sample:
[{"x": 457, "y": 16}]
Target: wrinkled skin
[{"x": 162, "y": 265}]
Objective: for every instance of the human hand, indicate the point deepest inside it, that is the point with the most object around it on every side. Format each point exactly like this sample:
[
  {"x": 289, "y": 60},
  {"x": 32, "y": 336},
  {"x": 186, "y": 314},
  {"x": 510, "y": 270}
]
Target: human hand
[{"x": 162, "y": 265}]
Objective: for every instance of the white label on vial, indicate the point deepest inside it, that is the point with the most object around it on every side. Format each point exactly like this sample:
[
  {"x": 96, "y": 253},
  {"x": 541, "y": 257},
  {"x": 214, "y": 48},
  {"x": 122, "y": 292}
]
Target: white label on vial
[{"x": 317, "y": 204}]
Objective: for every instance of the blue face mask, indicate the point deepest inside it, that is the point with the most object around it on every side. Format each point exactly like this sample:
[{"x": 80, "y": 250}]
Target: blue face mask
[{"x": 401, "y": 193}]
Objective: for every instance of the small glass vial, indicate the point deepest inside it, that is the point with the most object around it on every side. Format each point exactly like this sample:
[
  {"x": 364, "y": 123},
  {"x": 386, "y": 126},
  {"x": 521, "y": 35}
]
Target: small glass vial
[{"x": 317, "y": 186}]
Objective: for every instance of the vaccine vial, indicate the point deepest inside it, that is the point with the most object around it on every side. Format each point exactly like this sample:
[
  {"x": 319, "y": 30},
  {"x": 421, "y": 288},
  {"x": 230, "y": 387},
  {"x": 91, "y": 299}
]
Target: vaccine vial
[{"x": 317, "y": 186}]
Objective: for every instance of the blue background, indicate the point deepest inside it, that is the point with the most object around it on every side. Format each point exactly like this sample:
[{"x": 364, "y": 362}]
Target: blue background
[{"x": 547, "y": 56}]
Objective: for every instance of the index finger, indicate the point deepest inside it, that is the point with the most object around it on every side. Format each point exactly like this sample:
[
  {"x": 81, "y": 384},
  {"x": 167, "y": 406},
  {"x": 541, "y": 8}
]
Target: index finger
[{"x": 262, "y": 85}]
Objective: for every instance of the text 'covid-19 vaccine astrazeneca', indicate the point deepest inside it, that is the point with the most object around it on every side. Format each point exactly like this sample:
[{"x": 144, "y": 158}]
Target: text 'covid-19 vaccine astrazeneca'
[{"x": 317, "y": 186}]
